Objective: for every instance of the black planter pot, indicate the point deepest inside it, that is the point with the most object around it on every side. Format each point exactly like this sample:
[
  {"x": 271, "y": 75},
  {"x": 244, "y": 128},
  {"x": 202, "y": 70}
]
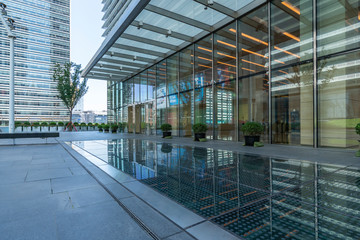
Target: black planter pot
[
  {"x": 199, "y": 135},
  {"x": 106, "y": 130},
  {"x": 250, "y": 140},
  {"x": 166, "y": 134},
  {"x": 113, "y": 131}
]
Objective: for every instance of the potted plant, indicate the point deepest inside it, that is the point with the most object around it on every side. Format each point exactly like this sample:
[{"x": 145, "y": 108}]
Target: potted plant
[
  {"x": 90, "y": 126},
  {"x": 83, "y": 126},
  {"x": 35, "y": 127},
  {"x": 166, "y": 128},
  {"x": 96, "y": 126},
  {"x": 114, "y": 128},
  {"x": 120, "y": 127},
  {"x": 357, "y": 129},
  {"x": 44, "y": 127},
  {"x": 252, "y": 132},
  {"x": 60, "y": 126},
  {"x": 76, "y": 125},
  {"x": 124, "y": 124},
  {"x": 26, "y": 127},
  {"x": 199, "y": 131},
  {"x": 101, "y": 127},
  {"x": 52, "y": 126},
  {"x": 18, "y": 126},
  {"x": 106, "y": 127}
]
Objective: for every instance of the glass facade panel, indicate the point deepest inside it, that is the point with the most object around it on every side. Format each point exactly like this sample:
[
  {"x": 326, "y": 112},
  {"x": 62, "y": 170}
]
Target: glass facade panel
[
  {"x": 225, "y": 104},
  {"x": 186, "y": 68},
  {"x": 291, "y": 31},
  {"x": 338, "y": 26},
  {"x": 161, "y": 79},
  {"x": 204, "y": 108},
  {"x": 172, "y": 113},
  {"x": 292, "y": 105},
  {"x": 151, "y": 83},
  {"x": 161, "y": 116},
  {"x": 203, "y": 62},
  {"x": 143, "y": 86},
  {"x": 225, "y": 53},
  {"x": 185, "y": 113},
  {"x": 339, "y": 100},
  {"x": 137, "y": 83},
  {"x": 172, "y": 67},
  {"x": 254, "y": 103}
]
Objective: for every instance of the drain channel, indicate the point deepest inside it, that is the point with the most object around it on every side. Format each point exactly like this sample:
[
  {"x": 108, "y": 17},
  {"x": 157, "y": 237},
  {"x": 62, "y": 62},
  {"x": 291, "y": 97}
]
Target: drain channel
[{"x": 128, "y": 211}]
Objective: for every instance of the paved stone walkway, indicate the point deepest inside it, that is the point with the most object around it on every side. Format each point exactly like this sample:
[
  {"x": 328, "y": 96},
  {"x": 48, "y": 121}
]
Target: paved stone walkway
[{"x": 53, "y": 192}]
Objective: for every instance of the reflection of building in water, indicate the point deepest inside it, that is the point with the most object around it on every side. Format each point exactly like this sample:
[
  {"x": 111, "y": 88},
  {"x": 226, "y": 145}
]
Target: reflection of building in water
[{"x": 251, "y": 195}]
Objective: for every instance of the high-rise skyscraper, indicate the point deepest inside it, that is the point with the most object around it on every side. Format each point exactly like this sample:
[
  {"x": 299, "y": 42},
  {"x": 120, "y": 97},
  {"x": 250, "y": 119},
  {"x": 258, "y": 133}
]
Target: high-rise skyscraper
[{"x": 42, "y": 29}]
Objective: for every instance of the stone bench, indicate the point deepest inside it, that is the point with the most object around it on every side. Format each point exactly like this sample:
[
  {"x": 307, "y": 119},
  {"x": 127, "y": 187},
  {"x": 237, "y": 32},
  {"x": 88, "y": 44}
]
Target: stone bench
[{"x": 43, "y": 135}]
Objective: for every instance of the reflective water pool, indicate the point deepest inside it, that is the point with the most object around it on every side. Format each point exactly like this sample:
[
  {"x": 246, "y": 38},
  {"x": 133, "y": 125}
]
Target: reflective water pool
[{"x": 255, "y": 197}]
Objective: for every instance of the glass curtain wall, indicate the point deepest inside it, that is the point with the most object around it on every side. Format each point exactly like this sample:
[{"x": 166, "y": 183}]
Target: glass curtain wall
[
  {"x": 261, "y": 68},
  {"x": 254, "y": 70},
  {"x": 186, "y": 71},
  {"x": 338, "y": 72},
  {"x": 203, "y": 106},
  {"x": 161, "y": 113},
  {"x": 292, "y": 72},
  {"x": 172, "y": 74},
  {"x": 225, "y": 82}
]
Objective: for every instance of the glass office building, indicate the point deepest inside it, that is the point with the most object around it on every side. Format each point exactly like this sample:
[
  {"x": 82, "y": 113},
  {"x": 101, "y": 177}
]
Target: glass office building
[
  {"x": 42, "y": 29},
  {"x": 291, "y": 65}
]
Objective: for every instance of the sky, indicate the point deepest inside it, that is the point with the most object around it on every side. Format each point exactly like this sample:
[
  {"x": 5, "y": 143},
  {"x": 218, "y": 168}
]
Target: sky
[{"x": 85, "y": 38}]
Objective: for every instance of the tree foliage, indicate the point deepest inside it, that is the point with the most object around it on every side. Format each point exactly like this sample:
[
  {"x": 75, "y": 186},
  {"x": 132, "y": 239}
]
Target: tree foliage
[{"x": 69, "y": 85}]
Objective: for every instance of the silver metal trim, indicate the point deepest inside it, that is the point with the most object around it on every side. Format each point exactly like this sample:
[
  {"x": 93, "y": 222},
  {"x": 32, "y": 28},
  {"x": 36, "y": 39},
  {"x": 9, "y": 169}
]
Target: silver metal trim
[
  {"x": 315, "y": 86},
  {"x": 269, "y": 73}
]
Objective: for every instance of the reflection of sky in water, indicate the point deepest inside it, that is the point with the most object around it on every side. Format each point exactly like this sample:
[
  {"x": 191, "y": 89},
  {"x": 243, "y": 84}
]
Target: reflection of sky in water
[{"x": 253, "y": 196}]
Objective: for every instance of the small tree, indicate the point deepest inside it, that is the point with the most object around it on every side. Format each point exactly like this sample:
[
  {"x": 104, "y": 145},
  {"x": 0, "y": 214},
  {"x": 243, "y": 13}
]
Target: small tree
[{"x": 69, "y": 85}]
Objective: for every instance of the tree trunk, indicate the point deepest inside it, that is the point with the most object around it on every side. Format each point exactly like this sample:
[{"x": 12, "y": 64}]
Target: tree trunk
[{"x": 70, "y": 122}]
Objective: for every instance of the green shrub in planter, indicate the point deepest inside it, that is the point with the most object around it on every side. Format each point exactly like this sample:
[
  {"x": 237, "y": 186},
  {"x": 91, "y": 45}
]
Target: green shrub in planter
[
  {"x": 114, "y": 127},
  {"x": 100, "y": 127},
  {"x": 18, "y": 124},
  {"x": 76, "y": 124},
  {"x": 52, "y": 124},
  {"x": 166, "y": 128},
  {"x": 96, "y": 124},
  {"x": 90, "y": 125},
  {"x": 168, "y": 137},
  {"x": 60, "y": 124},
  {"x": 199, "y": 131},
  {"x": 106, "y": 127},
  {"x": 202, "y": 139},
  {"x": 252, "y": 132},
  {"x": 44, "y": 124},
  {"x": 36, "y": 124},
  {"x": 26, "y": 124}
]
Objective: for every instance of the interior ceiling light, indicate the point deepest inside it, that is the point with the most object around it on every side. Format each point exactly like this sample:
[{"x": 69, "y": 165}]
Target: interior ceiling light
[
  {"x": 232, "y": 30},
  {"x": 101, "y": 65},
  {"x": 227, "y": 44},
  {"x": 134, "y": 59},
  {"x": 290, "y": 53},
  {"x": 121, "y": 68},
  {"x": 205, "y": 49},
  {"x": 255, "y": 53},
  {"x": 291, "y": 7},
  {"x": 254, "y": 39},
  {"x": 225, "y": 55},
  {"x": 112, "y": 54},
  {"x": 359, "y": 15},
  {"x": 140, "y": 25}
]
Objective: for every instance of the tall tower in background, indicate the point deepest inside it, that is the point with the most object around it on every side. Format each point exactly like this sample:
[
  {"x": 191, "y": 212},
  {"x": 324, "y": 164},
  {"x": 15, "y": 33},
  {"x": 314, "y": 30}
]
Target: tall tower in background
[{"x": 42, "y": 39}]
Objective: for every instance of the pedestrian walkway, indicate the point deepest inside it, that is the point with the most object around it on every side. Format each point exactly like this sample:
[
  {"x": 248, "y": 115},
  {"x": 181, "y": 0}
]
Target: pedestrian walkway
[{"x": 49, "y": 191}]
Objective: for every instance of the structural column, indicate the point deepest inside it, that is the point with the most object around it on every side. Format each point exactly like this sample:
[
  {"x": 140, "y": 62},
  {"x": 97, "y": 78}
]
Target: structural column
[{"x": 12, "y": 87}]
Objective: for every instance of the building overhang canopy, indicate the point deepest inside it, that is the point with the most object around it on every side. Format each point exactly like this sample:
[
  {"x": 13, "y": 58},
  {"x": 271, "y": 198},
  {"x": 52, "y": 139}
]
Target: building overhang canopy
[{"x": 151, "y": 30}]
